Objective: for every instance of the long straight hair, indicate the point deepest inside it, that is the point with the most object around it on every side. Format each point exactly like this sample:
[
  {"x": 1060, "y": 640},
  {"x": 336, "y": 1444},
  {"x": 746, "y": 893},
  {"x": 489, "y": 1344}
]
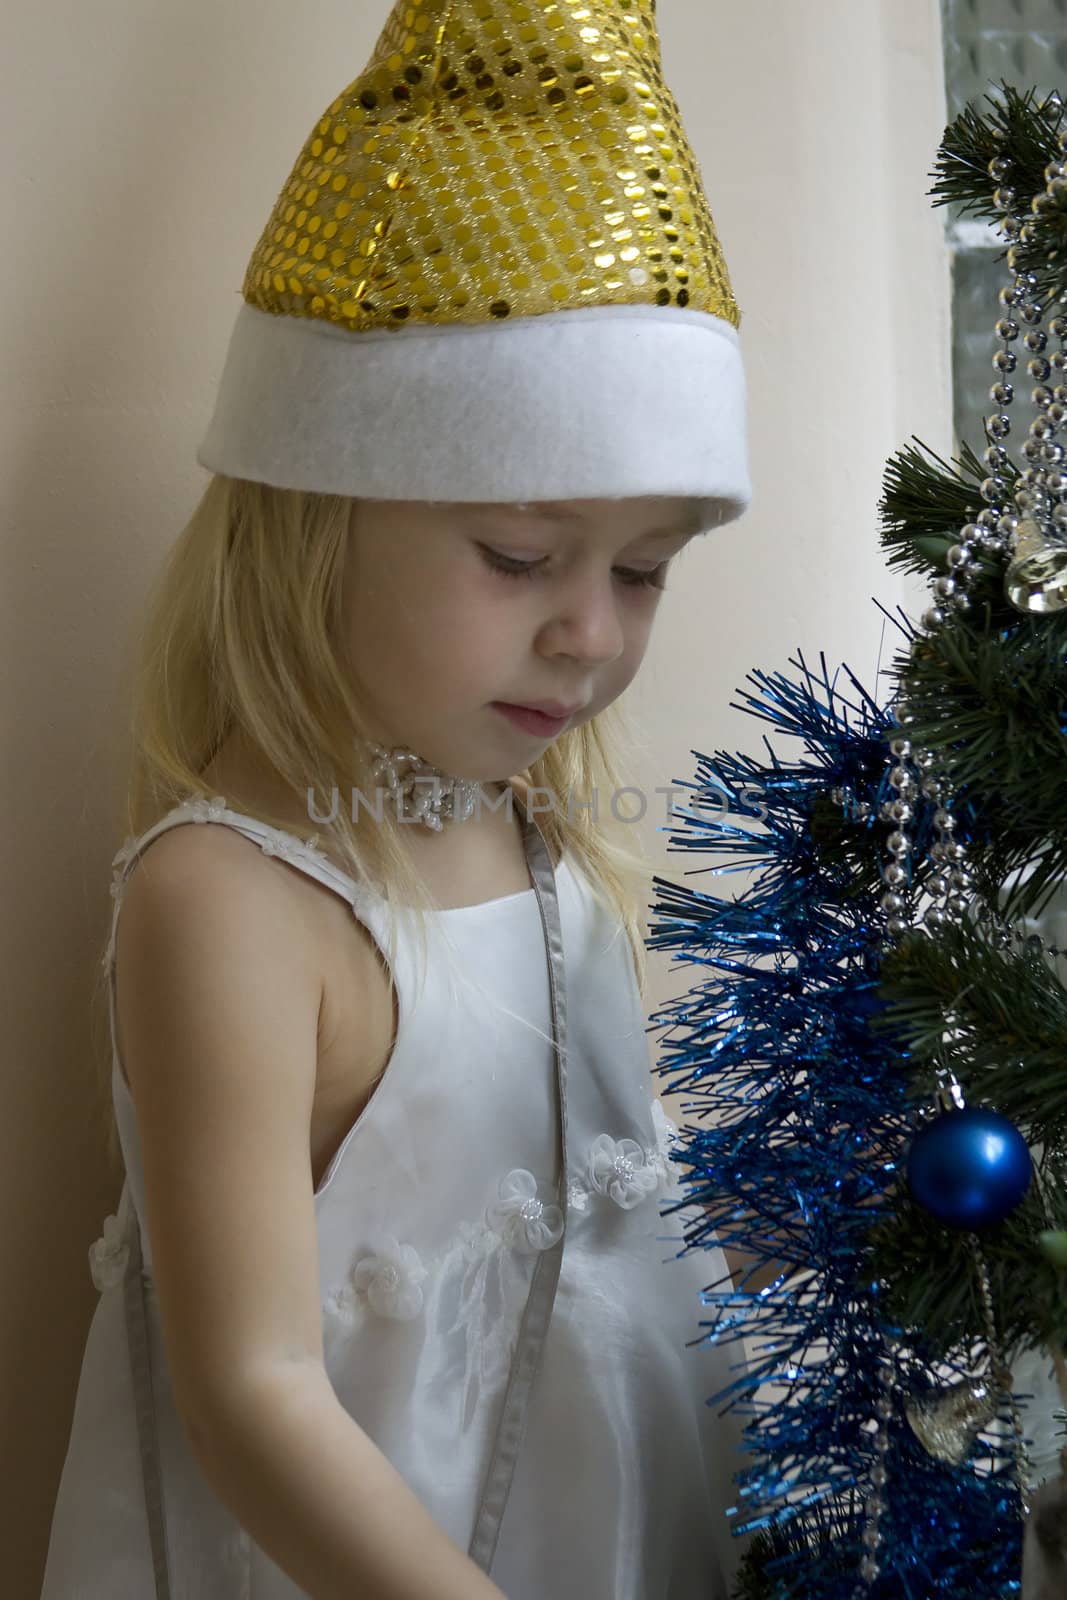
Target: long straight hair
[{"x": 244, "y": 631}]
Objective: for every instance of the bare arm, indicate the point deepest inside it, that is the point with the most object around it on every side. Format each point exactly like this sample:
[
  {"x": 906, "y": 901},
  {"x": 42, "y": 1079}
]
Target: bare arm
[
  {"x": 324, "y": 1502},
  {"x": 218, "y": 999}
]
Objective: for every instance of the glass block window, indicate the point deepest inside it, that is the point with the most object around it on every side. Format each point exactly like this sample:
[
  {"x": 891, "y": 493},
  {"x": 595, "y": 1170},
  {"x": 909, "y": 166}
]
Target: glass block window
[{"x": 1023, "y": 42}]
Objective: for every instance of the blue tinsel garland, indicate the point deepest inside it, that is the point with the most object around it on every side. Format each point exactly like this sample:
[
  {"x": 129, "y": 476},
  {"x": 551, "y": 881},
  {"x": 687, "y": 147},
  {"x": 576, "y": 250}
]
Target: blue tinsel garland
[{"x": 804, "y": 1122}]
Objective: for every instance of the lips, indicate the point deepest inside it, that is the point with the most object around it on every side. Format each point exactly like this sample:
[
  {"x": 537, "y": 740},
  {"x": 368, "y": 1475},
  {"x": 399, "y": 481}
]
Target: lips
[
  {"x": 531, "y": 720},
  {"x": 548, "y": 708}
]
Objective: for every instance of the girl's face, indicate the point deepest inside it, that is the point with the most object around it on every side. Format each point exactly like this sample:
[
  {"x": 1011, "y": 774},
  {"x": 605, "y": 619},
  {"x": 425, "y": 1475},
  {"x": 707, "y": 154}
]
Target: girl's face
[{"x": 437, "y": 633}]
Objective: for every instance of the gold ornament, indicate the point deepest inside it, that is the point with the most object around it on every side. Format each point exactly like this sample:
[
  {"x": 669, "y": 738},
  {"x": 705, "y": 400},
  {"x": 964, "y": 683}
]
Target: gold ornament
[
  {"x": 1036, "y": 580},
  {"x": 948, "y": 1422},
  {"x": 496, "y": 159}
]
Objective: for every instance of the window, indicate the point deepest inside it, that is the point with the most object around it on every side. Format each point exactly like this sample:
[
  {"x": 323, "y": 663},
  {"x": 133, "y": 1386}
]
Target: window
[{"x": 1024, "y": 43}]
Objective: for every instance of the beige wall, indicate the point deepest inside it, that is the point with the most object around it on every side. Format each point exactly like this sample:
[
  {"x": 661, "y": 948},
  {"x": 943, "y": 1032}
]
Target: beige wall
[
  {"x": 139, "y": 171},
  {"x": 816, "y": 127}
]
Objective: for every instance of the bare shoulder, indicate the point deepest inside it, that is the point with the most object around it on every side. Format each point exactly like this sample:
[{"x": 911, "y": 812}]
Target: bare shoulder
[
  {"x": 195, "y": 851},
  {"x": 205, "y": 886},
  {"x": 218, "y": 1006}
]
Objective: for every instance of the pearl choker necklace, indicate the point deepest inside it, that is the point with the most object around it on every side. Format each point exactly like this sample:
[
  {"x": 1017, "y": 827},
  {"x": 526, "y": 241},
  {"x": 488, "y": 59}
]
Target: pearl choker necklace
[{"x": 424, "y": 793}]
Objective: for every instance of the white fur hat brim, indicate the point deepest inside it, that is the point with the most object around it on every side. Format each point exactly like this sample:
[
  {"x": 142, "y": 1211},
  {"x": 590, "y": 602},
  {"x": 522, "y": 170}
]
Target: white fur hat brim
[{"x": 598, "y": 402}]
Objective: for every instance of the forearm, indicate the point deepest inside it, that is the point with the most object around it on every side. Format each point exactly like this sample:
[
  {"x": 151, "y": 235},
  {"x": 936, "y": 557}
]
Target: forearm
[{"x": 323, "y": 1501}]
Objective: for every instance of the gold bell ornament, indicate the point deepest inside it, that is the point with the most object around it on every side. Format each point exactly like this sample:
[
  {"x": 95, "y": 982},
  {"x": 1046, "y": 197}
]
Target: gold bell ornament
[
  {"x": 492, "y": 275},
  {"x": 947, "y": 1422}
]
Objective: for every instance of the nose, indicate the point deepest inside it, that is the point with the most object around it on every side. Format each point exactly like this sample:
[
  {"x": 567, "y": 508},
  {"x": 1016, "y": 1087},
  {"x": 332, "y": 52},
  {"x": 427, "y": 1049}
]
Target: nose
[{"x": 585, "y": 623}]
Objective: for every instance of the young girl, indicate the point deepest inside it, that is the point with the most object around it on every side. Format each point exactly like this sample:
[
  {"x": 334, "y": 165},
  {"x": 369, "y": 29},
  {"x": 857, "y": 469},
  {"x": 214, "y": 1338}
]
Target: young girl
[{"x": 389, "y": 1307}]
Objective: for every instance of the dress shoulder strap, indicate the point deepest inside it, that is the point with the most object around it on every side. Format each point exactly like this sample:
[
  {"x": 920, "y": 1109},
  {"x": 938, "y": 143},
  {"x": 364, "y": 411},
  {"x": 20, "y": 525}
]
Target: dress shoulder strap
[
  {"x": 305, "y": 855},
  {"x": 272, "y": 841}
]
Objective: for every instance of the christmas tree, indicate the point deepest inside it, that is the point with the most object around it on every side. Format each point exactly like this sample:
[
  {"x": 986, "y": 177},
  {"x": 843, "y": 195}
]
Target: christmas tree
[{"x": 874, "y": 1059}]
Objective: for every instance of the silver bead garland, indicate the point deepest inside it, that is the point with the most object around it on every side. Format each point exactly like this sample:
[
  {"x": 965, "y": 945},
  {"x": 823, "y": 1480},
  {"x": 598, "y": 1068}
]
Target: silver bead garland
[
  {"x": 1001, "y": 1374},
  {"x": 1034, "y": 538},
  {"x": 874, "y": 1506},
  {"x": 1035, "y": 533}
]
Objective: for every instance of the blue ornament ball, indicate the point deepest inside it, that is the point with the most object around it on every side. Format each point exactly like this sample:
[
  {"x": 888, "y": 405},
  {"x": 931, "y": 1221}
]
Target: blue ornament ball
[{"x": 969, "y": 1168}]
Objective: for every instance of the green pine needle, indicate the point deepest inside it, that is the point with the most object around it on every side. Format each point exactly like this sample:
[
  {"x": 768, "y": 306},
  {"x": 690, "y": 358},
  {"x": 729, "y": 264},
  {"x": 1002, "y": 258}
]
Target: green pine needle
[
  {"x": 1005, "y": 1013},
  {"x": 1025, "y": 130},
  {"x": 923, "y": 508}
]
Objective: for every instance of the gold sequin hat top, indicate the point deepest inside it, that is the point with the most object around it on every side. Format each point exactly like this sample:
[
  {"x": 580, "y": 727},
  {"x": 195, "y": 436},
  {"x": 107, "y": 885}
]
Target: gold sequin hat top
[{"x": 493, "y": 275}]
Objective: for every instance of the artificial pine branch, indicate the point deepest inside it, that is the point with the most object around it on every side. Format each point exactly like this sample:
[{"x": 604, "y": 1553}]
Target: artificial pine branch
[
  {"x": 992, "y": 708},
  {"x": 1019, "y": 126},
  {"x": 799, "y": 1159},
  {"x": 996, "y": 1018},
  {"x": 813, "y": 1046},
  {"x": 1024, "y": 129},
  {"x": 923, "y": 508},
  {"x": 932, "y": 1289}
]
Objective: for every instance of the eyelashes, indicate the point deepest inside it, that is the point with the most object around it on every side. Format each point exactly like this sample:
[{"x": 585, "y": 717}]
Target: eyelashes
[{"x": 631, "y": 578}]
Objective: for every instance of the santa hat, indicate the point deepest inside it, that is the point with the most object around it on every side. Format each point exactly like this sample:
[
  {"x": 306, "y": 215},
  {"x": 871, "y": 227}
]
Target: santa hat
[{"x": 493, "y": 275}]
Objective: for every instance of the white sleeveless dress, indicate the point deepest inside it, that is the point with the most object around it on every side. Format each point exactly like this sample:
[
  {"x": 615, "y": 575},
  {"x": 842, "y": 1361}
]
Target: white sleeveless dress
[{"x": 427, "y": 1241}]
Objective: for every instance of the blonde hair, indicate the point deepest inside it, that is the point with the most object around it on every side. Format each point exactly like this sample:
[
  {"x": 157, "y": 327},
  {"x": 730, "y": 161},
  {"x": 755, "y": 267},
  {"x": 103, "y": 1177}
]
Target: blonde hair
[{"x": 243, "y": 632}]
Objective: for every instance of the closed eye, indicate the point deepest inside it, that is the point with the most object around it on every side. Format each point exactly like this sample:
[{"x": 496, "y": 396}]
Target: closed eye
[{"x": 631, "y": 577}]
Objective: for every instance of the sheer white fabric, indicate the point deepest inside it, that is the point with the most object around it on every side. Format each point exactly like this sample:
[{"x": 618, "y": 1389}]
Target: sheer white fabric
[{"x": 430, "y": 1220}]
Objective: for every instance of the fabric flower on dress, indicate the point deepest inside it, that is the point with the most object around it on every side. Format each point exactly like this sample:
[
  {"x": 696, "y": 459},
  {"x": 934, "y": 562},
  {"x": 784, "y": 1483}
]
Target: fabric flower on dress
[
  {"x": 343, "y": 1306},
  {"x": 119, "y": 863},
  {"x": 125, "y": 851},
  {"x": 522, "y": 1220},
  {"x": 391, "y": 1278},
  {"x": 124, "y": 854},
  {"x": 289, "y": 848},
  {"x": 617, "y": 1168},
  {"x": 667, "y": 1137},
  {"x": 109, "y": 1254},
  {"x": 201, "y": 810}
]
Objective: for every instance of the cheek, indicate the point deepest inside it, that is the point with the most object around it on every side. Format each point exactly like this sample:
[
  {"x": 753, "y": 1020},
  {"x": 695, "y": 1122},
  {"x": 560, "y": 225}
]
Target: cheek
[
  {"x": 478, "y": 640},
  {"x": 638, "y": 631},
  {"x": 629, "y": 663},
  {"x": 449, "y": 628},
  {"x": 615, "y": 679},
  {"x": 390, "y": 623}
]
